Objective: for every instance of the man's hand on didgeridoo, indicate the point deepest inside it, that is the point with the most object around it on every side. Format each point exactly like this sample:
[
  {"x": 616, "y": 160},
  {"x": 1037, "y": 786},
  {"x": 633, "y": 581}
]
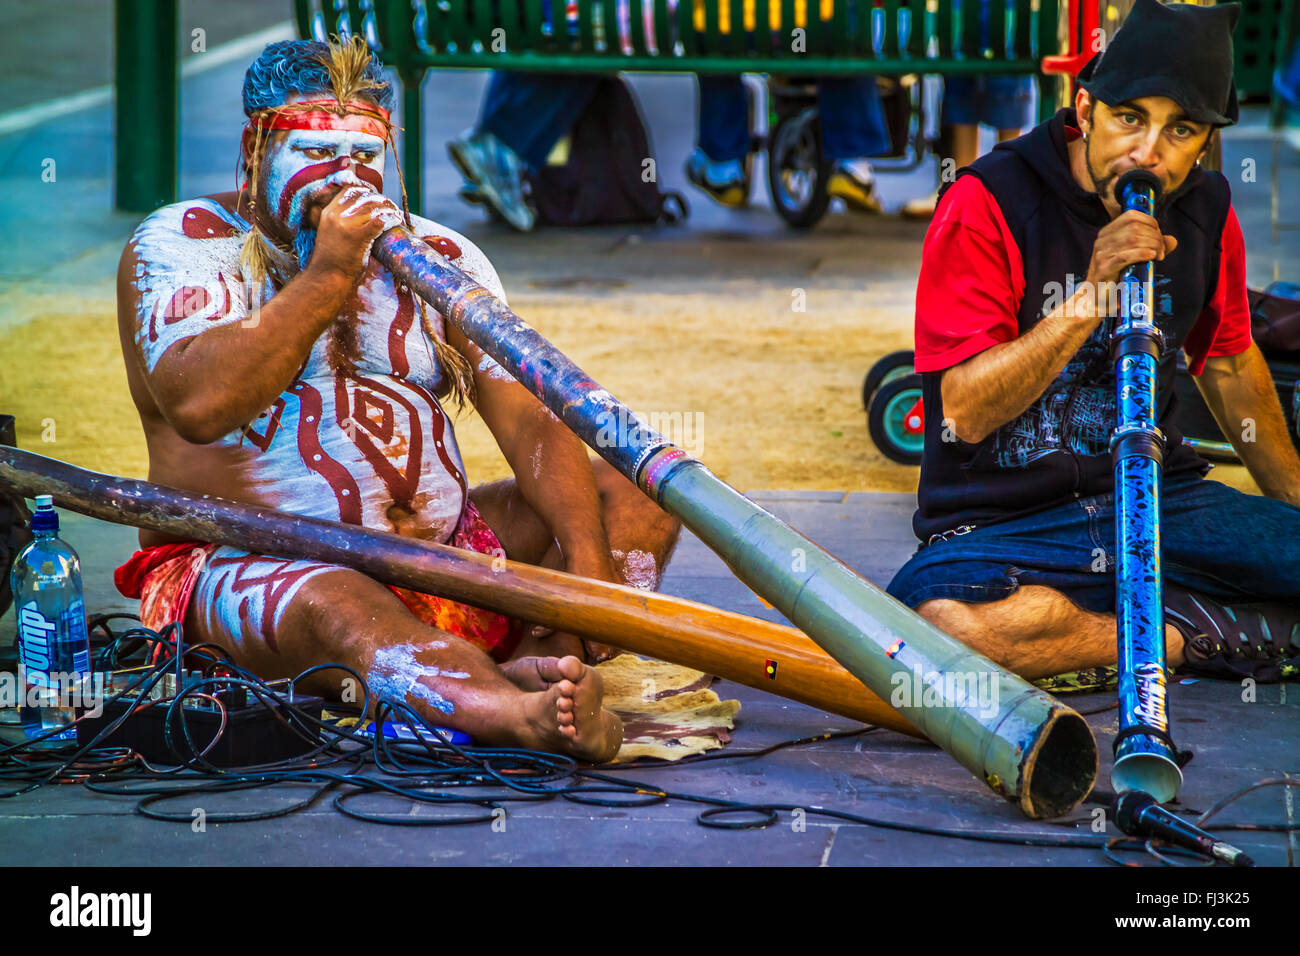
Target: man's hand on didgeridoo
[
  {"x": 349, "y": 225},
  {"x": 1129, "y": 238}
]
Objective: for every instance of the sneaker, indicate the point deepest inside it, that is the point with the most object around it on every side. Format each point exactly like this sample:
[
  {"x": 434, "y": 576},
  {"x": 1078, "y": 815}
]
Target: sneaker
[
  {"x": 854, "y": 181},
  {"x": 920, "y": 208},
  {"x": 497, "y": 174},
  {"x": 1086, "y": 681},
  {"x": 725, "y": 182},
  {"x": 1260, "y": 640}
]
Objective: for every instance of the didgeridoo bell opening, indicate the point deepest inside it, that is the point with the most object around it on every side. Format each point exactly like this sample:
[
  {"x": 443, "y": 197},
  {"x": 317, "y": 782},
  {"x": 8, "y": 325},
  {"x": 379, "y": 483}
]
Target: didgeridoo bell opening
[
  {"x": 1152, "y": 773},
  {"x": 1059, "y": 770}
]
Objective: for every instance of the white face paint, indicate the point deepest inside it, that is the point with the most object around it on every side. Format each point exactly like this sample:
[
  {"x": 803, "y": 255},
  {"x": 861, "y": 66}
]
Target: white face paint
[
  {"x": 310, "y": 162},
  {"x": 396, "y": 674}
]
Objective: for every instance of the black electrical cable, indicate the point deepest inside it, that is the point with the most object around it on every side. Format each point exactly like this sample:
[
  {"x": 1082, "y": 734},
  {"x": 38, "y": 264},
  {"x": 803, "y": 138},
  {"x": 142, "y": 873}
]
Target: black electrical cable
[{"x": 421, "y": 764}]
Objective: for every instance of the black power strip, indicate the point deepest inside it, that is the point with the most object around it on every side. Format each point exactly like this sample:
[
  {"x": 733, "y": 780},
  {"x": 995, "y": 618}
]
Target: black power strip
[{"x": 253, "y": 734}]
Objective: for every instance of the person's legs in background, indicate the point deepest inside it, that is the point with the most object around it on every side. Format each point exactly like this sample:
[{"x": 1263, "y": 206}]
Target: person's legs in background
[
  {"x": 1004, "y": 102},
  {"x": 717, "y": 165},
  {"x": 853, "y": 129},
  {"x": 523, "y": 116}
]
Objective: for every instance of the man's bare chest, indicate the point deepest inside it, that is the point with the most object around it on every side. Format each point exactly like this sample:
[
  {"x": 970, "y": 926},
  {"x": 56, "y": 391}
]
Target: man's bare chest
[{"x": 383, "y": 329}]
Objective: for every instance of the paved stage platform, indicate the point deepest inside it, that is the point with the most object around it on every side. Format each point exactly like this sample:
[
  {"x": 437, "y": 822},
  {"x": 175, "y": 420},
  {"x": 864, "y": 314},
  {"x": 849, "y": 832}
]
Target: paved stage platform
[{"x": 881, "y": 774}]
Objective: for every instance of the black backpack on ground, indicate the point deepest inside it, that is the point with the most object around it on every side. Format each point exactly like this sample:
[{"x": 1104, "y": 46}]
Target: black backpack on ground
[
  {"x": 603, "y": 181},
  {"x": 1275, "y": 320}
]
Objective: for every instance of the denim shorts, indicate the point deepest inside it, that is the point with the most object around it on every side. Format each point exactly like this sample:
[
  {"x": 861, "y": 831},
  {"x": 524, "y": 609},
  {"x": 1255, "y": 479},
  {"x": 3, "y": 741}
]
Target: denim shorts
[
  {"x": 1003, "y": 102},
  {"x": 1216, "y": 540}
]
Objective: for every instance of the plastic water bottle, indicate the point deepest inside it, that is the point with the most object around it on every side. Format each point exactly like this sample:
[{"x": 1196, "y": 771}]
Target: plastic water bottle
[{"x": 53, "y": 646}]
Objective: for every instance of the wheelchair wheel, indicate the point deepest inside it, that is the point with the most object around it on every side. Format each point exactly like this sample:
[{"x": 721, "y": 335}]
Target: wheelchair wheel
[
  {"x": 896, "y": 422},
  {"x": 892, "y": 366},
  {"x": 797, "y": 173}
]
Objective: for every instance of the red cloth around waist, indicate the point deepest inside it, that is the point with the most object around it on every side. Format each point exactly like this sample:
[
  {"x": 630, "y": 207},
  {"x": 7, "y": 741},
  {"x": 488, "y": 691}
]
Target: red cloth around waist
[{"x": 163, "y": 578}]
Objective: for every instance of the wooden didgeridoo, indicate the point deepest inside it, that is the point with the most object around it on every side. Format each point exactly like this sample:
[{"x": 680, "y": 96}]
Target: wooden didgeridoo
[{"x": 747, "y": 650}]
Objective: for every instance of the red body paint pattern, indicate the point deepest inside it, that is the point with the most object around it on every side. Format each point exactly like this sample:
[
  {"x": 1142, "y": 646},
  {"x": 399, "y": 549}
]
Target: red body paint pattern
[
  {"x": 440, "y": 426},
  {"x": 368, "y": 416},
  {"x": 398, "y": 331},
  {"x": 263, "y": 439},
  {"x": 407, "y": 307},
  {"x": 351, "y": 407},
  {"x": 274, "y": 584},
  {"x": 200, "y": 223},
  {"x": 310, "y": 174},
  {"x": 313, "y": 455},
  {"x": 189, "y": 301},
  {"x": 444, "y": 247}
]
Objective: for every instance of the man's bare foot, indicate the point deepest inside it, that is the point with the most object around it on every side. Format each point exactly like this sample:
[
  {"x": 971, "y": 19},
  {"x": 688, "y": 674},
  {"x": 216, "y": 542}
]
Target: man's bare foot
[
  {"x": 568, "y": 716},
  {"x": 533, "y": 673}
]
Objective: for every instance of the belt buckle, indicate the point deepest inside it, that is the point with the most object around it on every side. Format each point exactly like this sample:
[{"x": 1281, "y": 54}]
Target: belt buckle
[{"x": 950, "y": 533}]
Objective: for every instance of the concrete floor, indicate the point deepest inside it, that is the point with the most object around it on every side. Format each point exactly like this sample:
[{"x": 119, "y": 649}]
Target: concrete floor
[{"x": 882, "y": 774}]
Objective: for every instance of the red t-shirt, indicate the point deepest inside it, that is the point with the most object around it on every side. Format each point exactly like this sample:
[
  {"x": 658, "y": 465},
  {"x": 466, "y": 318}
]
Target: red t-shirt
[{"x": 972, "y": 284}]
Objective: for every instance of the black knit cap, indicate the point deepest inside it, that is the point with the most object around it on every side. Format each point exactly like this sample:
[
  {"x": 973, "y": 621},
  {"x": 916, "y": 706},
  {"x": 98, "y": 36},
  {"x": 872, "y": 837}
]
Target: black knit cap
[{"x": 1179, "y": 50}]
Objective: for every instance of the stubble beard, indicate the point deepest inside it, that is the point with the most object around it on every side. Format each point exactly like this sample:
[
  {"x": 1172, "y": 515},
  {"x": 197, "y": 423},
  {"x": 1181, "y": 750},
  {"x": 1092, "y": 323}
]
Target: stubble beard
[{"x": 1105, "y": 186}]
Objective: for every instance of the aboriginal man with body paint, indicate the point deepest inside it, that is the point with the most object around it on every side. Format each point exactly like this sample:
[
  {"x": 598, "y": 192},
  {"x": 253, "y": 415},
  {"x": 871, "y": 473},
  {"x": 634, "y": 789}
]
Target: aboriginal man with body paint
[{"x": 274, "y": 362}]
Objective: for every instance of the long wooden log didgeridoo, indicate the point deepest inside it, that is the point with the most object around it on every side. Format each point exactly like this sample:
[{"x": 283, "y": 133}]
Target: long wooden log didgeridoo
[
  {"x": 1032, "y": 749},
  {"x": 770, "y": 657}
]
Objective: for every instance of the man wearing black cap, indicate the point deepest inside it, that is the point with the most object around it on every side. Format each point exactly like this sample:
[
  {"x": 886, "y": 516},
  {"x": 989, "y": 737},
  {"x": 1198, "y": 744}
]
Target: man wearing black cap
[{"x": 1013, "y": 324}]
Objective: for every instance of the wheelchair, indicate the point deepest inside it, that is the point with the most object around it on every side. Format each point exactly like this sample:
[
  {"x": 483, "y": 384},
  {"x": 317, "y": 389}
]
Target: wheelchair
[{"x": 797, "y": 169}]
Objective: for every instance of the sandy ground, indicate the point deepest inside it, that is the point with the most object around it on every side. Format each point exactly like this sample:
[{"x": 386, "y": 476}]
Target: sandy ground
[{"x": 768, "y": 397}]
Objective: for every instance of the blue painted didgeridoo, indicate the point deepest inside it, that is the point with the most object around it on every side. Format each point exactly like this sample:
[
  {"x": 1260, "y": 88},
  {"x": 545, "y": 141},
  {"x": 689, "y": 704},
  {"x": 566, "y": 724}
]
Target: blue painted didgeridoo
[{"x": 1144, "y": 753}]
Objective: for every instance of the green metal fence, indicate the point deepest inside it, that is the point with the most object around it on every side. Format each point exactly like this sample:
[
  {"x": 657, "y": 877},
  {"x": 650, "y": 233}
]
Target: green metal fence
[
  {"x": 1254, "y": 44},
  {"x": 145, "y": 108},
  {"x": 793, "y": 37},
  {"x": 799, "y": 37}
]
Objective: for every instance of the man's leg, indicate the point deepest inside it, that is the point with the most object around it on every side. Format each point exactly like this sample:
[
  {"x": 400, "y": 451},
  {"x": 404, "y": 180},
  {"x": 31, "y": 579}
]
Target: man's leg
[
  {"x": 724, "y": 118},
  {"x": 717, "y": 165},
  {"x": 1035, "y": 594},
  {"x": 1036, "y": 632},
  {"x": 524, "y": 115},
  {"x": 278, "y": 618},
  {"x": 852, "y": 118},
  {"x": 530, "y": 112},
  {"x": 641, "y": 534},
  {"x": 853, "y": 129}
]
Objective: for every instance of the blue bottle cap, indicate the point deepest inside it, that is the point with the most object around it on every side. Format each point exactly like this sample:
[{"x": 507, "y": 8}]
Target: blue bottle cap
[{"x": 45, "y": 518}]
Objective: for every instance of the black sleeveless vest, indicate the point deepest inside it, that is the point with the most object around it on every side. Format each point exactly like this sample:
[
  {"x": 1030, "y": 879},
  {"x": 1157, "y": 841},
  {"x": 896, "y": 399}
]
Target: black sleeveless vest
[{"x": 1059, "y": 448}]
